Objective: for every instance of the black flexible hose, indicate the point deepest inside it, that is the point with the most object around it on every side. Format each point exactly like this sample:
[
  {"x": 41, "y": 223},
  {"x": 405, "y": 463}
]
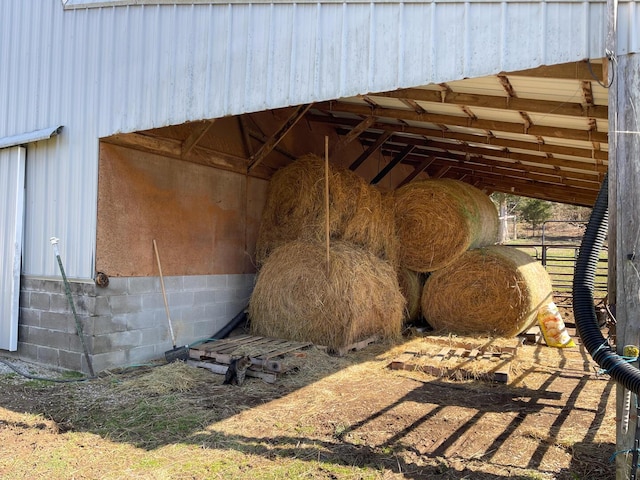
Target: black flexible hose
[{"x": 583, "y": 305}]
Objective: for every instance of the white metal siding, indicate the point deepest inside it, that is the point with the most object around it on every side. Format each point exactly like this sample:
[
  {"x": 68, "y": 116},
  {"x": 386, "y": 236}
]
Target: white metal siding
[
  {"x": 12, "y": 161},
  {"x": 100, "y": 71}
]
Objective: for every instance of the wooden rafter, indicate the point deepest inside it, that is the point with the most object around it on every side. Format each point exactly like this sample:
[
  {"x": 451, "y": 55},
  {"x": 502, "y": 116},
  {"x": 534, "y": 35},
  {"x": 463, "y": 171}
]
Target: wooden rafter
[
  {"x": 196, "y": 135},
  {"x": 438, "y": 148},
  {"x": 417, "y": 171},
  {"x": 353, "y": 134},
  {"x": 371, "y": 150},
  {"x": 537, "y": 146},
  {"x": 499, "y": 102},
  {"x": 390, "y": 166},
  {"x": 484, "y": 124},
  {"x": 271, "y": 143}
]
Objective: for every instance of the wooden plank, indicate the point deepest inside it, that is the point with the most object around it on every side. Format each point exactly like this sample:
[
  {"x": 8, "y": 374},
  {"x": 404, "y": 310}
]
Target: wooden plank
[
  {"x": 283, "y": 350},
  {"x": 402, "y": 362},
  {"x": 266, "y": 364},
  {"x": 352, "y": 135},
  {"x": 390, "y": 166},
  {"x": 196, "y": 135},
  {"x": 417, "y": 171},
  {"x": 356, "y": 346},
  {"x": 459, "y": 352},
  {"x": 442, "y": 354},
  {"x": 473, "y": 354},
  {"x": 222, "y": 369}
]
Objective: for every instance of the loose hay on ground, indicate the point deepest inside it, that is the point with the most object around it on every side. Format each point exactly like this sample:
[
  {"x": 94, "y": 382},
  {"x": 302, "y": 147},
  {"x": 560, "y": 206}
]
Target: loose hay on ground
[
  {"x": 297, "y": 299},
  {"x": 295, "y": 209},
  {"x": 494, "y": 290},
  {"x": 439, "y": 219},
  {"x": 172, "y": 377}
]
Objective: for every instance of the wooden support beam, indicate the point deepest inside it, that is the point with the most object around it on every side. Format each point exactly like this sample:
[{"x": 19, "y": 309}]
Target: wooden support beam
[
  {"x": 441, "y": 172},
  {"x": 624, "y": 208},
  {"x": 371, "y": 150},
  {"x": 246, "y": 139},
  {"x": 574, "y": 109},
  {"x": 196, "y": 135},
  {"x": 451, "y": 150},
  {"x": 395, "y": 161},
  {"x": 352, "y": 135},
  {"x": 534, "y": 143},
  {"x": 417, "y": 171},
  {"x": 481, "y": 124},
  {"x": 271, "y": 143},
  {"x": 581, "y": 70}
]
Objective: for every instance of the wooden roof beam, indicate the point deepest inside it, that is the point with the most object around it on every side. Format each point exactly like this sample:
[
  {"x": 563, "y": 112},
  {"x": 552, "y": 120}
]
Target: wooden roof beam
[
  {"x": 483, "y": 124},
  {"x": 431, "y": 147},
  {"x": 352, "y": 135},
  {"x": 271, "y": 143},
  {"x": 595, "y": 153},
  {"x": 395, "y": 161},
  {"x": 417, "y": 171},
  {"x": 498, "y": 102},
  {"x": 195, "y": 136},
  {"x": 582, "y": 70},
  {"x": 371, "y": 150}
]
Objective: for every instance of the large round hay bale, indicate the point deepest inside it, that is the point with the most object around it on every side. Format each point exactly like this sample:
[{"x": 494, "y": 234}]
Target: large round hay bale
[
  {"x": 295, "y": 209},
  {"x": 296, "y": 298},
  {"x": 495, "y": 290},
  {"x": 439, "y": 219}
]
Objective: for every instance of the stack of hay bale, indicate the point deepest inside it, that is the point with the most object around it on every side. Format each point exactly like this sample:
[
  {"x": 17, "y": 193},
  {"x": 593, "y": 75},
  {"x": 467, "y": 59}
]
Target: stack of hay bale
[
  {"x": 382, "y": 248},
  {"x": 448, "y": 229},
  {"x": 299, "y": 295}
]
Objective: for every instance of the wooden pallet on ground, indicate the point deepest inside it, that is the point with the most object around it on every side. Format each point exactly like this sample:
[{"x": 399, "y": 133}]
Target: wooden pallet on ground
[
  {"x": 267, "y": 355},
  {"x": 459, "y": 363}
]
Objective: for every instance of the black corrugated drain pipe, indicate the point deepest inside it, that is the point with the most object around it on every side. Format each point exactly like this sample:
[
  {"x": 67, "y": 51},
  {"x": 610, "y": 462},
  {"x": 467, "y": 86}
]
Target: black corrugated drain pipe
[{"x": 583, "y": 306}]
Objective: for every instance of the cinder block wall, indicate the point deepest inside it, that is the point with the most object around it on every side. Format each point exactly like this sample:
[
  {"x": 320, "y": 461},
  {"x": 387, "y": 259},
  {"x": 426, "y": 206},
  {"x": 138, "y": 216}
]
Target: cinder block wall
[{"x": 126, "y": 322}]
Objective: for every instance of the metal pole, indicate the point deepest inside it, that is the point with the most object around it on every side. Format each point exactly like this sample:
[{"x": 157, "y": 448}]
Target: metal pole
[{"x": 67, "y": 289}]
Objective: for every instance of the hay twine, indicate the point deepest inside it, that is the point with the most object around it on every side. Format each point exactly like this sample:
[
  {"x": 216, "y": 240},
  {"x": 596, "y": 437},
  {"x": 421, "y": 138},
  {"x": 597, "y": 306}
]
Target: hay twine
[
  {"x": 296, "y": 299},
  {"x": 495, "y": 290},
  {"x": 439, "y": 219}
]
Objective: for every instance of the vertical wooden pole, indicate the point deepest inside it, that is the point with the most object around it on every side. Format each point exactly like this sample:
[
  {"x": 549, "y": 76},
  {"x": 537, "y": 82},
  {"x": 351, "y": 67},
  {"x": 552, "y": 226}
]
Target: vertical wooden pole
[
  {"x": 326, "y": 195},
  {"x": 624, "y": 210}
]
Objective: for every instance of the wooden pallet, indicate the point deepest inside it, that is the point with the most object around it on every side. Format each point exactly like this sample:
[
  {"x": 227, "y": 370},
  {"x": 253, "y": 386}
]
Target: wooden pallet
[
  {"x": 460, "y": 363},
  {"x": 267, "y": 355}
]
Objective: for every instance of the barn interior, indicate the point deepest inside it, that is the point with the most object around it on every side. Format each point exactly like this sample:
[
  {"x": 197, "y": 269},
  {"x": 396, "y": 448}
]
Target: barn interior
[{"x": 539, "y": 133}]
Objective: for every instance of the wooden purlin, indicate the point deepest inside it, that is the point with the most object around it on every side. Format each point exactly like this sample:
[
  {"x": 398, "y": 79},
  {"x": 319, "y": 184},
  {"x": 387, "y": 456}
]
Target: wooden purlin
[
  {"x": 483, "y": 124},
  {"x": 352, "y": 135}
]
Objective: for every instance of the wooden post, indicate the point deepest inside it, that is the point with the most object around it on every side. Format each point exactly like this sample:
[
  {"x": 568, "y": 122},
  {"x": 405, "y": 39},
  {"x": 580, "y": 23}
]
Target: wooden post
[
  {"x": 326, "y": 197},
  {"x": 624, "y": 210}
]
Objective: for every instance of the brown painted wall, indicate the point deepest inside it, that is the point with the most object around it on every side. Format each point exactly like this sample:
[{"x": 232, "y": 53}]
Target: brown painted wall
[{"x": 204, "y": 220}]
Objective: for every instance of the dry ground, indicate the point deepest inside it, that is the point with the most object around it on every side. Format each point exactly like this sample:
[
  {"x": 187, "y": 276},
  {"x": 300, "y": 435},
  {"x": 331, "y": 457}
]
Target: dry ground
[{"x": 349, "y": 417}]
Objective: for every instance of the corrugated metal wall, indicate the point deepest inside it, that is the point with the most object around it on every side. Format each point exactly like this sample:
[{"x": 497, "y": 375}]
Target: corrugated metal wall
[{"x": 99, "y": 71}]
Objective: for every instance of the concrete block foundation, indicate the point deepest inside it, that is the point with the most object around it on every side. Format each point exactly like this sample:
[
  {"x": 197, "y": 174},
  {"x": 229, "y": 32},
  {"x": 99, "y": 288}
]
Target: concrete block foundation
[{"x": 126, "y": 322}]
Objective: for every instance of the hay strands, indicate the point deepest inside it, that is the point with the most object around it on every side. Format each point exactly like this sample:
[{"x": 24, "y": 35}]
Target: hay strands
[{"x": 459, "y": 363}]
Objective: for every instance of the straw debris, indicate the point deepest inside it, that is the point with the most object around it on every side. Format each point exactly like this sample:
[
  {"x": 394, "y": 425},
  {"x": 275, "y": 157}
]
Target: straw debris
[
  {"x": 495, "y": 290},
  {"x": 296, "y": 297},
  {"x": 439, "y": 219}
]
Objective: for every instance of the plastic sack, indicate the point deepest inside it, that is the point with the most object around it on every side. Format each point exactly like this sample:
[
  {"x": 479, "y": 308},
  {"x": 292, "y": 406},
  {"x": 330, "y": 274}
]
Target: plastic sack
[{"x": 553, "y": 328}]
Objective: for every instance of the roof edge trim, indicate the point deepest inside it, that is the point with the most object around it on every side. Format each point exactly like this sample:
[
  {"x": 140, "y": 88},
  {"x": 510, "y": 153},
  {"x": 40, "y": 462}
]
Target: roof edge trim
[
  {"x": 75, "y": 4},
  {"x": 30, "y": 137}
]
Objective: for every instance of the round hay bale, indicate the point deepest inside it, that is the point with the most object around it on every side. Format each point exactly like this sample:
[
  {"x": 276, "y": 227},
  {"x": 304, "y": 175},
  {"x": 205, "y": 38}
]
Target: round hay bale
[
  {"x": 439, "y": 219},
  {"x": 295, "y": 209},
  {"x": 411, "y": 287},
  {"x": 295, "y": 298},
  {"x": 495, "y": 290}
]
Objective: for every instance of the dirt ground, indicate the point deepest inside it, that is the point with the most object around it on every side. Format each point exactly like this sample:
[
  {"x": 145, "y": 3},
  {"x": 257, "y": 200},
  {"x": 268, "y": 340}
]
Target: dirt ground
[{"x": 334, "y": 417}]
